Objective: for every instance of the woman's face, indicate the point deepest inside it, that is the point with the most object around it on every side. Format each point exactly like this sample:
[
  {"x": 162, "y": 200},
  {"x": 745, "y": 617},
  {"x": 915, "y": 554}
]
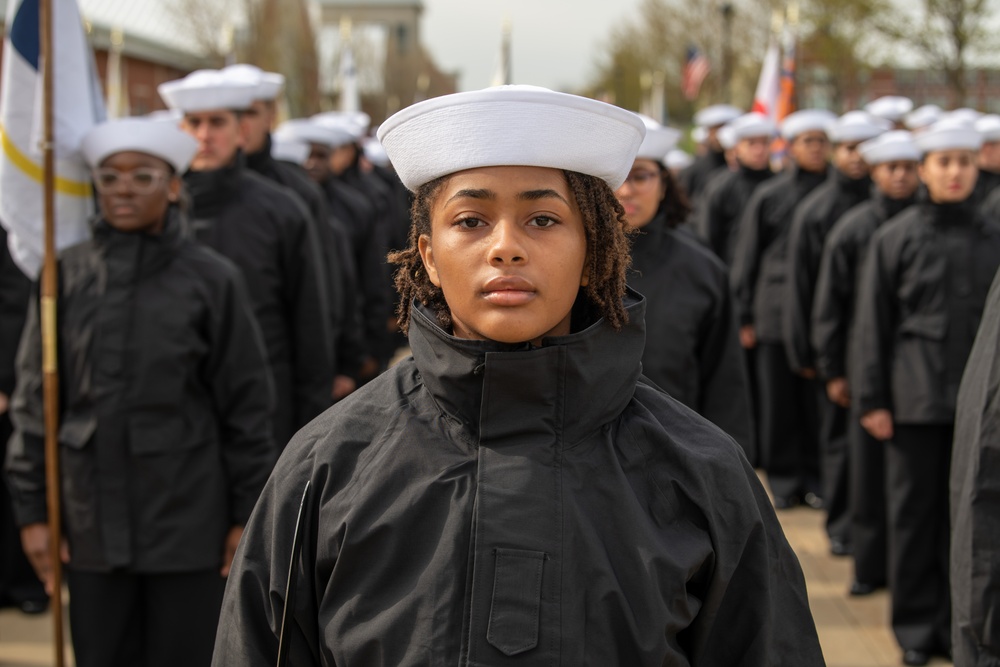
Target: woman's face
[
  {"x": 508, "y": 250},
  {"x": 134, "y": 191},
  {"x": 641, "y": 193},
  {"x": 950, "y": 176}
]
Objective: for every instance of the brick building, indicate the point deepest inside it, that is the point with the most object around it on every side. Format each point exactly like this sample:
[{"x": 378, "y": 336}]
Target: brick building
[{"x": 149, "y": 45}]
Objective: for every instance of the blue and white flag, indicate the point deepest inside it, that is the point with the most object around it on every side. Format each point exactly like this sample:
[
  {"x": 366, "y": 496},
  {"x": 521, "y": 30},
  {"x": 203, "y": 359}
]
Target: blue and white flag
[{"x": 77, "y": 106}]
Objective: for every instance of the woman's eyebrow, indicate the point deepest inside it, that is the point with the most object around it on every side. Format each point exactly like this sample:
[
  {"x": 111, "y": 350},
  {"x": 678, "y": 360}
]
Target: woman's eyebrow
[
  {"x": 534, "y": 195},
  {"x": 473, "y": 194}
]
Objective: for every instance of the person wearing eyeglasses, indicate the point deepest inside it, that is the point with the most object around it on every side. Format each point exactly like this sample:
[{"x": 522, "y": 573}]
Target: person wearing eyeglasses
[
  {"x": 166, "y": 403},
  {"x": 692, "y": 350}
]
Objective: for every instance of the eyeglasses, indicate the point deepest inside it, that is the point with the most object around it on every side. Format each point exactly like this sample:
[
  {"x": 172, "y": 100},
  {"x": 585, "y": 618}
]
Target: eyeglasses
[
  {"x": 642, "y": 179},
  {"x": 141, "y": 181}
]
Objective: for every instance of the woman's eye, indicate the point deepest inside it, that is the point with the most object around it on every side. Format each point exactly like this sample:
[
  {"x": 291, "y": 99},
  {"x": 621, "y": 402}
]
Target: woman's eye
[
  {"x": 143, "y": 177},
  {"x": 469, "y": 223},
  {"x": 543, "y": 221}
]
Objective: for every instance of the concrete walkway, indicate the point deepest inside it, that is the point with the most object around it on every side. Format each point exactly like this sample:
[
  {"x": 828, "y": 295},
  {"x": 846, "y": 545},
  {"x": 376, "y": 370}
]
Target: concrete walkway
[{"x": 853, "y": 631}]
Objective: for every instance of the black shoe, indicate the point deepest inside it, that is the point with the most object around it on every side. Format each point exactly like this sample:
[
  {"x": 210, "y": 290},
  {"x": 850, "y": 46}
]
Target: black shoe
[
  {"x": 785, "y": 502},
  {"x": 813, "y": 501},
  {"x": 839, "y": 547},
  {"x": 860, "y": 588},
  {"x": 915, "y": 657},
  {"x": 34, "y": 606}
]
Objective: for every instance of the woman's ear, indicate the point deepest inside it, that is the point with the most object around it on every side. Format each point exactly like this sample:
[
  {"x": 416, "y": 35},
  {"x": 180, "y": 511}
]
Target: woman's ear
[
  {"x": 427, "y": 256},
  {"x": 585, "y": 276}
]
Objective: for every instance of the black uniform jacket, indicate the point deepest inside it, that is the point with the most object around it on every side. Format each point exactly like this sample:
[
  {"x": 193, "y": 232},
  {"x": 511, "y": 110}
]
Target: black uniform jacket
[
  {"x": 366, "y": 233},
  {"x": 975, "y": 500},
  {"x": 813, "y": 220},
  {"x": 926, "y": 278},
  {"x": 165, "y": 405},
  {"x": 692, "y": 347},
  {"x": 839, "y": 282},
  {"x": 15, "y": 290},
  {"x": 759, "y": 265},
  {"x": 490, "y": 504},
  {"x": 296, "y": 179},
  {"x": 722, "y": 208},
  {"x": 696, "y": 177},
  {"x": 266, "y": 232}
]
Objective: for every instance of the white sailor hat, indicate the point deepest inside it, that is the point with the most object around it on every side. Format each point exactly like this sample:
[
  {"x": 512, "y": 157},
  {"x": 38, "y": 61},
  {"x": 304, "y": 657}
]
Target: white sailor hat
[
  {"x": 375, "y": 152},
  {"x": 717, "y": 114},
  {"x": 727, "y": 138},
  {"x": 924, "y": 116},
  {"x": 891, "y": 146},
  {"x": 989, "y": 127},
  {"x": 890, "y": 107},
  {"x": 965, "y": 114},
  {"x": 699, "y": 135},
  {"x": 305, "y": 129},
  {"x": 949, "y": 134},
  {"x": 206, "y": 90},
  {"x": 752, "y": 124},
  {"x": 678, "y": 159},
  {"x": 355, "y": 123},
  {"x": 659, "y": 140},
  {"x": 856, "y": 126},
  {"x": 289, "y": 149},
  {"x": 174, "y": 116},
  {"x": 268, "y": 84},
  {"x": 511, "y": 125},
  {"x": 162, "y": 140},
  {"x": 807, "y": 120}
]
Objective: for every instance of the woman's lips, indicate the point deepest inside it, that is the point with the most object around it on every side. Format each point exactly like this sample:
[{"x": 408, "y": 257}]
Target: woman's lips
[{"x": 508, "y": 291}]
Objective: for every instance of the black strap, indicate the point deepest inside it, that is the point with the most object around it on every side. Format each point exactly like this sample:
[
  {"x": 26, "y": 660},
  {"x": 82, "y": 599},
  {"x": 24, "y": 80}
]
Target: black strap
[{"x": 292, "y": 571}]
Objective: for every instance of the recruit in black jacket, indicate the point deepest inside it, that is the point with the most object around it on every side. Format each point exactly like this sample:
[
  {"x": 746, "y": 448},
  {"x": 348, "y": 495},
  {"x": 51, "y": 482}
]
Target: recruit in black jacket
[
  {"x": 490, "y": 504},
  {"x": 165, "y": 404},
  {"x": 692, "y": 345},
  {"x": 839, "y": 282},
  {"x": 926, "y": 279},
  {"x": 759, "y": 265},
  {"x": 813, "y": 220},
  {"x": 267, "y": 233},
  {"x": 975, "y": 503},
  {"x": 723, "y": 203}
]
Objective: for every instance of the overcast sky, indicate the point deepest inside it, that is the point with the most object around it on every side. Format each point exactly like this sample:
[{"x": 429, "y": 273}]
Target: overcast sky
[{"x": 553, "y": 41}]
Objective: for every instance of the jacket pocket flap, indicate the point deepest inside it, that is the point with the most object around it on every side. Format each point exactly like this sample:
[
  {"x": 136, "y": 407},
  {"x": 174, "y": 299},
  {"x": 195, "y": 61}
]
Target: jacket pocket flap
[
  {"x": 933, "y": 326},
  {"x": 517, "y": 597},
  {"x": 75, "y": 433}
]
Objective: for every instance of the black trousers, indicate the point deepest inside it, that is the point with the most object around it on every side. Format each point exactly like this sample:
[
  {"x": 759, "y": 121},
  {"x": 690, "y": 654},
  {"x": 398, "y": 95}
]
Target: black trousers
[
  {"x": 917, "y": 464},
  {"x": 788, "y": 429},
  {"x": 868, "y": 504},
  {"x": 834, "y": 460},
  {"x": 124, "y": 619},
  {"x": 18, "y": 582}
]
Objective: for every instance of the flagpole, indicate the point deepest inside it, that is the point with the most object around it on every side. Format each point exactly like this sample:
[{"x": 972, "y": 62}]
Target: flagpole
[{"x": 49, "y": 285}]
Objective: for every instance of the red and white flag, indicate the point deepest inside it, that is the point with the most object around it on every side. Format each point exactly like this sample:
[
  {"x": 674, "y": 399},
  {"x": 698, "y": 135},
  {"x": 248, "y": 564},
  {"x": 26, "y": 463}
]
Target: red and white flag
[
  {"x": 765, "y": 100},
  {"x": 696, "y": 68}
]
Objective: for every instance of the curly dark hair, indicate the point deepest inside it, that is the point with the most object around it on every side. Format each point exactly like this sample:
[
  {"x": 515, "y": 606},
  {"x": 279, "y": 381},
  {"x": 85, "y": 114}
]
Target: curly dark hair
[
  {"x": 675, "y": 206},
  {"x": 608, "y": 251}
]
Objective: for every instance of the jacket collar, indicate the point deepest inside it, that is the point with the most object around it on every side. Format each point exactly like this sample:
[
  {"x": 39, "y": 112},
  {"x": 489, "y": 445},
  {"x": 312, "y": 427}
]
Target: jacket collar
[{"x": 568, "y": 387}]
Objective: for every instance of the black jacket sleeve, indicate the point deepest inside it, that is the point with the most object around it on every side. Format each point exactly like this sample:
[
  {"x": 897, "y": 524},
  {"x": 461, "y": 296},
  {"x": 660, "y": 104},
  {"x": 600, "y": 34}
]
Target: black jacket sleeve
[
  {"x": 243, "y": 393},
  {"x": 832, "y": 309},
  {"x": 14, "y": 291},
  {"x": 25, "y": 463},
  {"x": 875, "y": 330},
  {"x": 746, "y": 259}
]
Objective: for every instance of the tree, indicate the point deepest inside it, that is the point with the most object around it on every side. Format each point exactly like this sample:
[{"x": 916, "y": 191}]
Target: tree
[
  {"x": 948, "y": 35},
  {"x": 275, "y": 35}
]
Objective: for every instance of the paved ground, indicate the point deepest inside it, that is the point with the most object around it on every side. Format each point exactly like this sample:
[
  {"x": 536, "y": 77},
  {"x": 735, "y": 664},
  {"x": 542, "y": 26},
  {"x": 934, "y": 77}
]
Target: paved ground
[{"x": 853, "y": 631}]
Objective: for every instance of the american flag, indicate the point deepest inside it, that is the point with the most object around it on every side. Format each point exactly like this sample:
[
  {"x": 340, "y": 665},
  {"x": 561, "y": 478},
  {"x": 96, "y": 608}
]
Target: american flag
[{"x": 696, "y": 68}]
